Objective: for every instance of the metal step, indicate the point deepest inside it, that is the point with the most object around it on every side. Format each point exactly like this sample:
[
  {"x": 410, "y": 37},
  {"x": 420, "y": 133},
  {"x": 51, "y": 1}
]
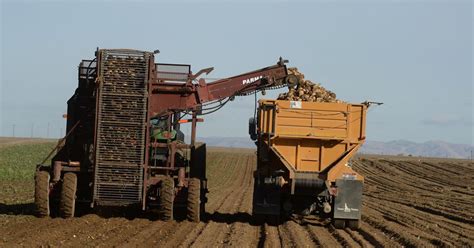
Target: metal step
[{"x": 121, "y": 127}]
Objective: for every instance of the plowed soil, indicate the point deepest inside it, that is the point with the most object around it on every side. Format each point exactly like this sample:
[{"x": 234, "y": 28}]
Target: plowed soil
[{"x": 407, "y": 202}]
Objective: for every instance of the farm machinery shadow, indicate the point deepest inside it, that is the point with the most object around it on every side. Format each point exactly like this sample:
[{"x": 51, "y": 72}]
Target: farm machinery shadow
[
  {"x": 28, "y": 209},
  {"x": 17, "y": 209},
  {"x": 228, "y": 218}
]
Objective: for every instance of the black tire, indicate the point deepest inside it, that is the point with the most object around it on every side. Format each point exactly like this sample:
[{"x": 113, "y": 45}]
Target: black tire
[
  {"x": 166, "y": 198},
  {"x": 353, "y": 224},
  {"x": 42, "y": 193},
  {"x": 194, "y": 200},
  {"x": 339, "y": 224},
  {"x": 67, "y": 202}
]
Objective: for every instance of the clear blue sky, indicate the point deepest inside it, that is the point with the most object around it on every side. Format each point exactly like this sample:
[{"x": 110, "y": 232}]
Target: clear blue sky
[{"x": 416, "y": 57}]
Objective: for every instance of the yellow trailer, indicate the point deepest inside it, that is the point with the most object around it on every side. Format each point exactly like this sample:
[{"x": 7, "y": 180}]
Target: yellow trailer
[{"x": 303, "y": 159}]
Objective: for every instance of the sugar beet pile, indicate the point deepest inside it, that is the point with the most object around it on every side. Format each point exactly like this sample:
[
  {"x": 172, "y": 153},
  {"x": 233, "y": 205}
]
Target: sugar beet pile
[{"x": 306, "y": 90}]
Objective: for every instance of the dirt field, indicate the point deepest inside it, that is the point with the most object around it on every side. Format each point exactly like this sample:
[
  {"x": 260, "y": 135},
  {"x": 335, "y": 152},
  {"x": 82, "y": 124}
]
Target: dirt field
[{"x": 407, "y": 202}]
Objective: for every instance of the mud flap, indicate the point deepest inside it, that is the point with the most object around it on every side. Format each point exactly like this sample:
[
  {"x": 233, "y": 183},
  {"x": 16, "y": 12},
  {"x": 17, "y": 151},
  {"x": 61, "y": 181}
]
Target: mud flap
[
  {"x": 348, "y": 202},
  {"x": 266, "y": 199},
  {"x": 198, "y": 161}
]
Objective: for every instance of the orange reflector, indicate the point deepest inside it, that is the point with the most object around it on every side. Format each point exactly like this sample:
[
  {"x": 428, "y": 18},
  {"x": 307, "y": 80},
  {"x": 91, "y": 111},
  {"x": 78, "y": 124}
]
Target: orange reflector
[{"x": 191, "y": 120}]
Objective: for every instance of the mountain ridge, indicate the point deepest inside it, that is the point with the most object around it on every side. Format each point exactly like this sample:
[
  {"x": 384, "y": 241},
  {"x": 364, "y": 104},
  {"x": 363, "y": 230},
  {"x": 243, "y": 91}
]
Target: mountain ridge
[{"x": 432, "y": 148}]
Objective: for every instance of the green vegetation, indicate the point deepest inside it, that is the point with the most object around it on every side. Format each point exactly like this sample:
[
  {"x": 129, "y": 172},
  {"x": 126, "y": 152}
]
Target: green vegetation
[{"x": 18, "y": 162}]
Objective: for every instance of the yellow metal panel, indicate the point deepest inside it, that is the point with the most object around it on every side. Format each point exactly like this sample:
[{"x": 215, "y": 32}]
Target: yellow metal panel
[
  {"x": 314, "y": 136},
  {"x": 309, "y": 156},
  {"x": 331, "y": 153},
  {"x": 308, "y": 114},
  {"x": 308, "y": 131},
  {"x": 314, "y": 122},
  {"x": 282, "y": 104},
  {"x": 287, "y": 148},
  {"x": 308, "y": 165},
  {"x": 357, "y": 130}
]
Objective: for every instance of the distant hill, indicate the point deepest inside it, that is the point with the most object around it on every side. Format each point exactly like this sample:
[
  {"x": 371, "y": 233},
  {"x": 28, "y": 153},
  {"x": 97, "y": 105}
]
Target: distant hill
[
  {"x": 435, "y": 148},
  {"x": 396, "y": 147},
  {"x": 425, "y": 149},
  {"x": 243, "y": 142}
]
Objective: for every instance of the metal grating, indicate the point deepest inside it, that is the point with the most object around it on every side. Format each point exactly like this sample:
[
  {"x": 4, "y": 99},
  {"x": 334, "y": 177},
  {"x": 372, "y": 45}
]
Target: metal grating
[
  {"x": 173, "y": 72},
  {"x": 121, "y": 128},
  {"x": 87, "y": 69}
]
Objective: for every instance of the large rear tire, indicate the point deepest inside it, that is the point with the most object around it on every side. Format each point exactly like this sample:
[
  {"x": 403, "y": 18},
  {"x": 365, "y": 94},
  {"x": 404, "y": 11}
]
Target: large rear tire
[
  {"x": 166, "y": 198},
  {"x": 42, "y": 193},
  {"x": 67, "y": 202},
  {"x": 194, "y": 200}
]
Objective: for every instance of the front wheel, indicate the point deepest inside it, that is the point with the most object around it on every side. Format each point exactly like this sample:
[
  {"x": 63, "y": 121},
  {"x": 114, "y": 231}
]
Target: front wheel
[
  {"x": 42, "y": 193},
  {"x": 194, "y": 200},
  {"x": 166, "y": 198},
  {"x": 67, "y": 203}
]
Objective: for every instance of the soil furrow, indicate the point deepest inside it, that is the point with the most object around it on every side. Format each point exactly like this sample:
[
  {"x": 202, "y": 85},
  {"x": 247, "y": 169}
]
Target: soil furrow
[
  {"x": 272, "y": 238},
  {"x": 298, "y": 234},
  {"x": 324, "y": 236},
  {"x": 217, "y": 230}
]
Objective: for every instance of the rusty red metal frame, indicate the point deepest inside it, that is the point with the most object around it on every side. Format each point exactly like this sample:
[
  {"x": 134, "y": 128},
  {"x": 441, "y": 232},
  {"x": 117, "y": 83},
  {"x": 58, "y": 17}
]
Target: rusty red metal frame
[
  {"x": 167, "y": 97},
  {"x": 171, "y": 97},
  {"x": 146, "y": 181}
]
